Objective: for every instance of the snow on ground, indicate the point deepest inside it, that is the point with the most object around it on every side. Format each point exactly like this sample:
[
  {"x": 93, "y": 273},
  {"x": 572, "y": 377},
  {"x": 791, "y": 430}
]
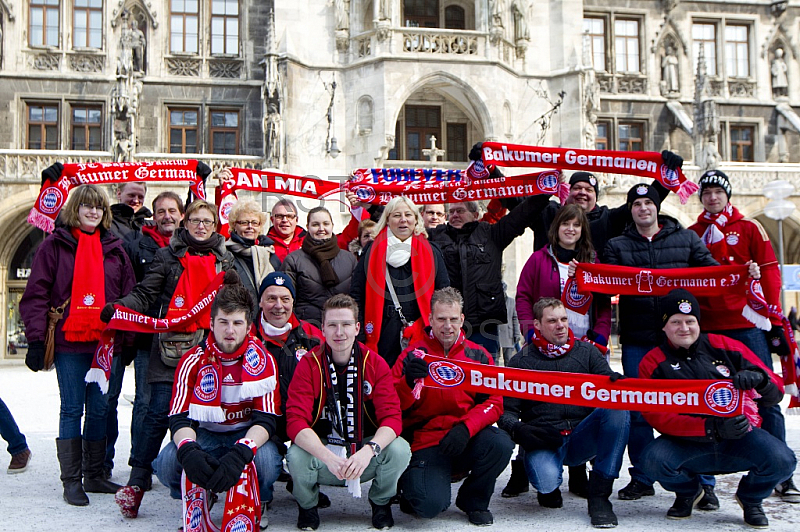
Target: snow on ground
[{"x": 32, "y": 501}]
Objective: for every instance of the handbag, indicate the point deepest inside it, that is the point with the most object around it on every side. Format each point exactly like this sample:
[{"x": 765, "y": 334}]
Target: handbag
[
  {"x": 404, "y": 340},
  {"x": 54, "y": 315},
  {"x": 173, "y": 345}
]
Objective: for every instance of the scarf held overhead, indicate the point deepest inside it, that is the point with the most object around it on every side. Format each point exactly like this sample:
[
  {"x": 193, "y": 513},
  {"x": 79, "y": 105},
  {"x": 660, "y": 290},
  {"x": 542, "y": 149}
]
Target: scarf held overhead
[
  {"x": 639, "y": 163},
  {"x": 88, "y": 295},
  {"x": 53, "y": 194}
]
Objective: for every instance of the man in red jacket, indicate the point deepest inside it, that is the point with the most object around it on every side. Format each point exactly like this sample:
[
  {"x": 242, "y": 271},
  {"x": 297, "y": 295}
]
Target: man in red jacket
[
  {"x": 733, "y": 239},
  {"x": 344, "y": 418},
  {"x": 285, "y": 233},
  {"x": 450, "y": 430}
]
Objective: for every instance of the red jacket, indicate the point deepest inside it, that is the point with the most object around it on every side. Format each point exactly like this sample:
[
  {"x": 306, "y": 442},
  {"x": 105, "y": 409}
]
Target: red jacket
[
  {"x": 282, "y": 248},
  {"x": 307, "y": 393},
  {"x": 438, "y": 410},
  {"x": 746, "y": 241}
]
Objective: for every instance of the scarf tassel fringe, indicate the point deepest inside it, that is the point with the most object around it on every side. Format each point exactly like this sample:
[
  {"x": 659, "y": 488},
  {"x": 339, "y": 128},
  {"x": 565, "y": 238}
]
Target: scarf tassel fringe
[
  {"x": 686, "y": 189},
  {"x": 756, "y": 319},
  {"x": 209, "y": 414},
  {"x": 99, "y": 376},
  {"x": 251, "y": 389}
]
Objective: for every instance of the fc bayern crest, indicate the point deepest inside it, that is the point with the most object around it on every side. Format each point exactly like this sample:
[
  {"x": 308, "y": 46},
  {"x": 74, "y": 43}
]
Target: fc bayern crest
[
  {"x": 52, "y": 199},
  {"x": 255, "y": 363},
  {"x": 179, "y": 301},
  {"x": 721, "y": 397},
  {"x": 548, "y": 181},
  {"x": 732, "y": 239},
  {"x": 207, "y": 389},
  {"x": 670, "y": 177},
  {"x": 477, "y": 170},
  {"x": 575, "y": 298},
  {"x": 194, "y": 513},
  {"x": 685, "y": 307},
  {"x": 370, "y": 327},
  {"x": 365, "y": 193},
  {"x": 723, "y": 370},
  {"x": 88, "y": 300},
  {"x": 367, "y": 388},
  {"x": 445, "y": 373},
  {"x": 280, "y": 281},
  {"x": 359, "y": 176},
  {"x": 300, "y": 352},
  {"x": 592, "y": 181},
  {"x": 642, "y": 190},
  {"x": 240, "y": 523}
]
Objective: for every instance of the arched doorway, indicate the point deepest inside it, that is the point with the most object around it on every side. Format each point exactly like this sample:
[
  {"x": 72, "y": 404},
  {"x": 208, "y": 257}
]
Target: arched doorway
[{"x": 18, "y": 271}]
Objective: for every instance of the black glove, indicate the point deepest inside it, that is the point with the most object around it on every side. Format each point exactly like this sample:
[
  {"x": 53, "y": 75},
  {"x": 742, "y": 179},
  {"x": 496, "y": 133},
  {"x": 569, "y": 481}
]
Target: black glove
[
  {"x": 537, "y": 437},
  {"x": 455, "y": 441},
  {"x": 777, "y": 341},
  {"x": 128, "y": 354},
  {"x": 414, "y": 368},
  {"x": 35, "y": 357},
  {"x": 729, "y": 428},
  {"x": 673, "y": 161},
  {"x": 198, "y": 464},
  {"x": 52, "y": 172},
  {"x": 230, "y": 468},
  {"x": 747, "y": 379},
  {"x": 616, "y": 376},
  {"x": 203, "y": 170},
  {"x": 476, "y": 153},
  {"x": 107, "y": 313}
]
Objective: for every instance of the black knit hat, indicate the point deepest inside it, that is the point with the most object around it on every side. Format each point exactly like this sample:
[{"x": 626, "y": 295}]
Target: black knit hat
[
  {"x": 585, "y": 177},
  {"x": 715, "y": 178},
  {"x": 679, "y": 301},
  {"x": 643, "y": 190},
  {"x": 276, "y": 279}
]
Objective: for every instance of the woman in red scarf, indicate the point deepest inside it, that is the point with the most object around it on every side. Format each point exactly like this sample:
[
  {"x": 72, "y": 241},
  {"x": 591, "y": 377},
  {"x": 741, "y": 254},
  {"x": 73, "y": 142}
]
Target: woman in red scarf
[
  {"x": 399, "y": 258},
  {"x": 84, "y": 262}
]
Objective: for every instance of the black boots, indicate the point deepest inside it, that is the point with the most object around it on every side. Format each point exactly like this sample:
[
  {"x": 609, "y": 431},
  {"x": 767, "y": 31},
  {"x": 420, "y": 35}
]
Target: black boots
[
  {"x": 600, "y": 508},
  {"x": 70, "y": 458},
  {"x": 518, "y": 483},
  {"x": 94, "y": 481}
]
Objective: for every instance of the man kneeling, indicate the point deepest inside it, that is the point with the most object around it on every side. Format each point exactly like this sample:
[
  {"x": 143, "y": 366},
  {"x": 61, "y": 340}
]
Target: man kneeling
[
  {"x": 693, "y": 445},
  {"x": 343, "y": 417},
  {"x": 552, "y": 435},
  {"x": 225, "y": 404}
]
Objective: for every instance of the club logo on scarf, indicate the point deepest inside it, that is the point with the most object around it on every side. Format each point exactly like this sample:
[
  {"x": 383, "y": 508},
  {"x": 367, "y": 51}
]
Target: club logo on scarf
[
  {"x": 359, "y": 176},
  {"x": 88, "y": 300},
  {"x": 52, "y": 199},
  {"x": 103, "y": 357},
  {"x": 477, "y": 170},
  {"x": 644, "y": 281},
  {"x": 642, "y": 190},
  {"x": 548, "y": 181},
  {"x": 179, "y": 301},
  {"x": 240, "y": 523},
  {"x": 670, "y": 177},
  {"x": 207, "y": 389},
  {"x": 300, "y": 352},
  {"x": 194, "y": 515},
  {"x": 365, "y": 193},
  {"x": 445, "y": 373},
  {"x": 225, "y": 208},
  {"x": 722, "y": 397},
  {"x": 573, "y": 299},
  {"x": 732, "y": 239},
  {"x": 685, "y": 307},
  {"x": 255, "y": 362},
  {"x": 367, "y": 388},
  {"x": 201, "y": 189},
  {"x": 370, "y": 327},
  {"x": 723, "y": 370},
  {"x": 758, "y": 301}
]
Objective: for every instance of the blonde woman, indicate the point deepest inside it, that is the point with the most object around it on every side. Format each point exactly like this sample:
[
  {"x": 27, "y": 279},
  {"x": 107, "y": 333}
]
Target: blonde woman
[{"x": 253, "y": 252}]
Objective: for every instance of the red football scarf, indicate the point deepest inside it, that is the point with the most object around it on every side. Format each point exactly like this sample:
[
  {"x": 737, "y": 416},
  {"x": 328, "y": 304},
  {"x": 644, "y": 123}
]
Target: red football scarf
[
  {"x": 198, "y": 270},
  {"x": 152, "y": 232},
  {"x": 790, "y": 364},
  {"x": 707, "y": 281},
  {"x": 425, "y": 186},
  {"x": 713, "y": 237},
  {"x": 715, "y": 398},
  {"x": 53, "y": 194},
  {"x": 573, "y": 299},
  {"x": 242, "y": 505},
  {"x": 552, "y": 350},
  {"x": 129, "y": 320},
  {"x": 88, "y": 295},
  {"x": 423, "y": 272},
  {"x": 640, "y": 163}
]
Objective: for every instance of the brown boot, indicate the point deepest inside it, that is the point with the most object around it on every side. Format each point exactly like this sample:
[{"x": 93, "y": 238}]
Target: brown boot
[
  {"x": 94, "y": 481},
  {"x": 69, "y": 457}
]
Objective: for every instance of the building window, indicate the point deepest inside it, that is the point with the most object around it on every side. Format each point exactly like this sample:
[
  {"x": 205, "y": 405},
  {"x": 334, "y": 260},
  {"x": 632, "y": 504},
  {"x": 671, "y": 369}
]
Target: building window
[
  {"x": 455, "y": 18},
  {"x": 183, "y": 36},
  {"x": 421, "y": 123},
  {"x": 44, "y": 23},
  {"x": 626, "y": 45},
  {"x": 601, "y": 140},
  {"x": 630, "y": 136},
  {"x": 224, "y": 132},
  {"x": 88, "y": 24},
  {"x": 225, "y": 27},
  {"x": 737, "y": 51},
  {"x": 42, "y": 126},
  {"x": 87, "y": 128},
  {"x": 595, "y": 30},
  {"x": 183, "y": 130},
  {"x": 421, "y": 13},
  {"x": 705, "y": 34},
  {"x": 742, "y": 143},
  {"x": 457, "y": 142}
]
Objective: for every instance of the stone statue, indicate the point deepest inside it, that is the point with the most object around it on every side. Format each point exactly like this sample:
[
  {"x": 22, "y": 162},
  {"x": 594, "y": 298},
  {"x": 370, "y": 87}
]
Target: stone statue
[
  {"x": 125, "y": 59},
  {"x": 498, "y": 6},
  {"x": 122, "y": 147},
  {"x": 518, "y": 10},
  {"x": 138, "y": 44},
  {"x": 272, "y": 124},
  {"x": 384, "y": 9},
  {"x": 780, "y": 82},
  {"x": 669, "y": 72},
  {"x": 342, "y": 14}
]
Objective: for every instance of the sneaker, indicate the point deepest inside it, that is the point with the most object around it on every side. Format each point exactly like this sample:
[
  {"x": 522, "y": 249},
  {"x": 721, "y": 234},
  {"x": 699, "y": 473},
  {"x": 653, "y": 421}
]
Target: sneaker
[
  {"x": 129, "y": 499},
  {"x": 480, "y": 517},
  {"x": 307, "y": 519},
  {"x": 323, "y": 501},
  {"x": 635, "y": 490},
  {"x": 786, "y": 489},
  {"x": 382, "y": 516},
  {"x": 754, "y": 514},
  {"x": 263, "y": 522},
  {"x": 550, "y": 500},
  {"x": 518, "y": 482},
  {"x": 682, "y": 507},
  {"x": 709, "y": 501},
  {"x": 19, "y": 462}
]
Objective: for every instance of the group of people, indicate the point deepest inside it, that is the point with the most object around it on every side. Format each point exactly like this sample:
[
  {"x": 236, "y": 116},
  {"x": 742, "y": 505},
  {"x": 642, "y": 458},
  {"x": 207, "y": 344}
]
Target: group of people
[{"x": 310, "y": 353}]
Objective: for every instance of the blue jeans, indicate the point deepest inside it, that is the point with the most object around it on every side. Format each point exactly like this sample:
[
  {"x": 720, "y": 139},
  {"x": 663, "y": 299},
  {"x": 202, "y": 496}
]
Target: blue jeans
[
  {"x": 154, "y": 426},
  {"x": 76, "y": 394},
  {"x": 142, "y": 401},
  {"x": 601, "y": 436},
  {"x": 676, "y": 463},
  {"x": 10, "y": 431},
  {"x": 268, "y": 461},
  {"x": 641, "y": 433},
  {"x": 112, "y": 421}
]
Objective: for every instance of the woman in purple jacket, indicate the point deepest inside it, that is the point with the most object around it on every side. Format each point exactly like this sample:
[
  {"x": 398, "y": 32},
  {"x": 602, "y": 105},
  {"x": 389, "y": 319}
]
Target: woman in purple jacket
[{"x": 84, "y": 262}]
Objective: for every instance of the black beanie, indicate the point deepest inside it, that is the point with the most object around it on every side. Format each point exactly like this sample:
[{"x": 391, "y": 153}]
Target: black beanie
[
  {"x": 584, "y": 177},
  {"x": 276, "y": 279},
  {"x": 643, "y": 190},
  {"x": 679, "y": 301},
  {"x": 715, "y": 178}
]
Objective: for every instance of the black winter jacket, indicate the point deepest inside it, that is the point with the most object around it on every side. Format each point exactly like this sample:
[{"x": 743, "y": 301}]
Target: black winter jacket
[
  {"x": 672, "y": 247},
  {"x": 124, "y": 221},
  {"x": 142, "y": 250}
]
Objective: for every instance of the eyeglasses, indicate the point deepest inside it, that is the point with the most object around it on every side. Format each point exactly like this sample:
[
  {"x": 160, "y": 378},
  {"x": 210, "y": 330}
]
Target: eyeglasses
[
  {"x": 245, "y": 223},
  {"x": 98, "y": 208},
  {"x": 204, "y": 223},
  {"x": 284, "y": 216}
]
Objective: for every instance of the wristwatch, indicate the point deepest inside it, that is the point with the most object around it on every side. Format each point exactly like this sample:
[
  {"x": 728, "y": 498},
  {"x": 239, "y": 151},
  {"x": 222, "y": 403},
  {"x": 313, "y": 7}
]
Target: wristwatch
[{"x": 376, "y": 449}]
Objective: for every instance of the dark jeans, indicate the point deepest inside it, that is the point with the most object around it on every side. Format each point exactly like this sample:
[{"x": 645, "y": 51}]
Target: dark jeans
[
  {"x": 486, "y": 336},
  {"x": 676, "y": 463},
  {"x": 141, "y": 403},
  {"x": 10, "y": 431},
  {"x": 76, "y": 394},
  {"x": 112, "y": 420},
  {"x": 641, "y": 433},
  {"x": 154, "y": 428},
  {"x": 426, "y": 482},
  {"x": 601, "y": 436}
]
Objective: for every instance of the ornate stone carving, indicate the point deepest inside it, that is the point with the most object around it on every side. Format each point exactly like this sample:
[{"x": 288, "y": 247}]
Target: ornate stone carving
[
  {"x": 741, "y": 88},
  {"x": 778, "y": 69},
  {"x": 225, "y": 69},
  {"x": 440, "y": 43},
  {"x": 364, "y": 46},
  {"x": 44, "y": 61},
  {"x": 183, "y": 66},
  {"x": 87, "y": 63},
  {"x": 670, "y": 70},
  {"x": 606, "y": 82},
  {"x": 272, "y": 94},
  {"x": 631, "y": 85}
]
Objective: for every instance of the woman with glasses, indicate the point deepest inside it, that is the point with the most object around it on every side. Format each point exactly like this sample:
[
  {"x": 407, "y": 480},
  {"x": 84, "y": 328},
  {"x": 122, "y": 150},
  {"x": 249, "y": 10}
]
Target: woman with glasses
[
  {"x": 84, "y": 264},
  {"x": 177, "y": 277},
  {"x": 319, "y": 268},
  {"x": 253, "y": 253}
]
